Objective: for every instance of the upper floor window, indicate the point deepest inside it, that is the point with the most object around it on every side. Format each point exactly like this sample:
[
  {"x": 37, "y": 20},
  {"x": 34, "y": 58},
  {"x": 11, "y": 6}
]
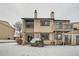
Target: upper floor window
[
  {"x": 29, "y": 24},
  {"x": 59, "y": 25},
  {"x": 44, "y": 22}
]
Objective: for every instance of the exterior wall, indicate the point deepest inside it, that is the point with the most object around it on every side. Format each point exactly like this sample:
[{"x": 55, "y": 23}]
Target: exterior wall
[
  {"x": 50, "y": 39},
  {"x": 73, "y": 37},
  {"x": 38, "y": 28},
  {"x": 23, "y": 32},
  {"x": 37, "y": 35},
  {"x": 42, "y": 29},
  {"x": 26, "y": 31},
  {"x": 6, "y": 31},
  {"x": 29, "y": 30},
  {"x": 50, "y": 29},
  {"x": 77, "y": 39},
  {"x": 76, "y": 25}
]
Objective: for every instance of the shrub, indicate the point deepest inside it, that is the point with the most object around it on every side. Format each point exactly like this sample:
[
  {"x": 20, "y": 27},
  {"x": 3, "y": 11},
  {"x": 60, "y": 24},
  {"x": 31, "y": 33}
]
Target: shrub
[
  {"x": 38, "y": 44},
  {"x": 19, "y": 41},
  {"x": 53, "y": 43}
]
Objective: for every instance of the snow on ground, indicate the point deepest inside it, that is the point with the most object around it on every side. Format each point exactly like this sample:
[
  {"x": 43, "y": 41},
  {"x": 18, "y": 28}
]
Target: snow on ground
[
  {"x": 12, "y": 49},
  {"x": 6, "y": 41}
]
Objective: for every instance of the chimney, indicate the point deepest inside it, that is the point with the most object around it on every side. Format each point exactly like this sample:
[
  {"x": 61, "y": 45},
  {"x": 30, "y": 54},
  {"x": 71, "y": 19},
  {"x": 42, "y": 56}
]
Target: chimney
[
  {"x": 35, "y": 14},
  {"x": 52, "y": 15}
]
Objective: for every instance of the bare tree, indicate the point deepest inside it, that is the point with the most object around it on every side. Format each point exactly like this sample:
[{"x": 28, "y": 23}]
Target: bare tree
[{"x": 17, "y": 26}]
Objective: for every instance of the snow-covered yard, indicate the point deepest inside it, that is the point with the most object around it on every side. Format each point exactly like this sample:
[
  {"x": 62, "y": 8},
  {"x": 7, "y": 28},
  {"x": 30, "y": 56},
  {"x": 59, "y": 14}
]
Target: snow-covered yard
[
  {"x": 7, "y": 41},
  {"x": 12, "y": 49}
]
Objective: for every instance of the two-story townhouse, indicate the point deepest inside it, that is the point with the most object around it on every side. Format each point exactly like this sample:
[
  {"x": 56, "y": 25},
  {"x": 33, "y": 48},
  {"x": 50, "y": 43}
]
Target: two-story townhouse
[
  {"x": 38, "y": 27},
  {"x": 50, "y": 30}
]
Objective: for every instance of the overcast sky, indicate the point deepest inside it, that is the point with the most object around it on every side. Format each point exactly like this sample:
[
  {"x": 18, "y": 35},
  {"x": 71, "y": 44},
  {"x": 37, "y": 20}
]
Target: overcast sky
[{"x": 12, "y": 12}]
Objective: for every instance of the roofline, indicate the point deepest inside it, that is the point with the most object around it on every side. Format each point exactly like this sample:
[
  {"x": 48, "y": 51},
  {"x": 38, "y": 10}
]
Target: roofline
[
  {"x": 7, "y": 25},
  {"x": 62, "y": 20},
  {"x": 35, "y": 18},
  {"x": 44, "y": 18},
  {"x": 74, "y": 22}
]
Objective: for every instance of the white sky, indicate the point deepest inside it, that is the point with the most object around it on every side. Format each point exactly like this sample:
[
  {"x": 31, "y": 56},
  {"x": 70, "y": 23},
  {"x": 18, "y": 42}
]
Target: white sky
[{"x": 12, "y": 12}]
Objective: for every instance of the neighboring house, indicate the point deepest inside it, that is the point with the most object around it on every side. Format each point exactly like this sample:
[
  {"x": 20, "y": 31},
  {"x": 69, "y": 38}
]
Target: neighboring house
[
  {"x": 6, "y": 30},
  {"x": 75, "y": 25},
  {"x": 50, "y": 30},
  {"x": 76, "y": 32}
]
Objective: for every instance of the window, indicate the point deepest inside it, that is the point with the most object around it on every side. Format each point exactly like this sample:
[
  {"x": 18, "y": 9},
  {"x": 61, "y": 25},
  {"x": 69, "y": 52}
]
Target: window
[
  {"x": 29, "y": 24},
  {"x": 58, "y": 36},
  {"x": 75, "y": 29},
  {"x": 77, "y": 39},
  {"x": 68, "y": 38},
  {"x": 44, "y": 22},
  {"x": 59, "y": 25},
  {"x": 44, "y": 36}
]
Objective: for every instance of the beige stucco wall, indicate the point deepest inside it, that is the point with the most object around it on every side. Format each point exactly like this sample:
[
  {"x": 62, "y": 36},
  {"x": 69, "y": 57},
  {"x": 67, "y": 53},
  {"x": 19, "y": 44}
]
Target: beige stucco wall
[
  {"x": 51, "y": 39},
  {"x": 6, "y": 31},
  {"x": 76, "y": 25},
  {"x": 29, "y": 30},
  {"x": 37, "y": 35},
  {"x": 38, "y": 28}
]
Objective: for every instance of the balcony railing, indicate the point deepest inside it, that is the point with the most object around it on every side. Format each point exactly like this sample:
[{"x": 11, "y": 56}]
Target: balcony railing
[{"x": 63, "y": 27}]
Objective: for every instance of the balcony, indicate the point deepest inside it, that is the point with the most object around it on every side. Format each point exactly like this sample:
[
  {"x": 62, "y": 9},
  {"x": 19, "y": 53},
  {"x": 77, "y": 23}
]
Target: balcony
[{"x": 63, "y": 27}]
